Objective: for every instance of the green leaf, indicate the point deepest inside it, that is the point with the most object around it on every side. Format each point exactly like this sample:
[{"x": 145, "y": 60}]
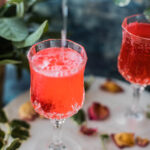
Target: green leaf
[
  {"x": 19, "y": 123},
  {"x": 88, "y": 82},
  {"x": 9, "y": 61},
  {"x": 20, "y": 9},
  {"x": 3, "y": 117},
  {"x": 122, "y": 3},
  {"x": 148, "y": 115},
  {"x": 147, "y": 13},
  {"x": 1, "y": 143},
  {"x": 13, "y": 29},
  {"x": 14, "y": 145},
  {"x": 20, "y": 133},
  {"x": 86, "y": 85},
  {"x": 31, "y": 39},
  {"x": 30, "y": 2},
  {"x": 104, "y": 136},
  {"x": 14, "y": 1},
  {"x": 6, "y": 55},
  {"x": 2, "y": 134},
  {"x": 79, "y": 118}
]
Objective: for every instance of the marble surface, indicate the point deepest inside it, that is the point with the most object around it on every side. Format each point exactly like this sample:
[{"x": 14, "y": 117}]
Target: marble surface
[{"x": 114, "y": 124}]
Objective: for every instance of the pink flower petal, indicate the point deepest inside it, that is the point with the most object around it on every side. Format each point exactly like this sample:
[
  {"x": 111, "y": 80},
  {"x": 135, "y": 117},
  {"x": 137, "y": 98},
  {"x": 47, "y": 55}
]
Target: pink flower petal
[
  {"x": 98, "y": 112},
  {"x": 88, "y": 131}
]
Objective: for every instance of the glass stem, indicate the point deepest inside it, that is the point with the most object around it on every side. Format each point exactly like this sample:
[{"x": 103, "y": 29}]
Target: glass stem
[
  {"x": 57, "y": 130},
  {"x": 137, "y": 89}
]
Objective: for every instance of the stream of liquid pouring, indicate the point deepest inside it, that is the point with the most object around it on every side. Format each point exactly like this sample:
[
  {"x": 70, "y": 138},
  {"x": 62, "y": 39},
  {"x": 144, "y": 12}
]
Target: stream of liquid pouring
[{"x": 65, "y": 17}]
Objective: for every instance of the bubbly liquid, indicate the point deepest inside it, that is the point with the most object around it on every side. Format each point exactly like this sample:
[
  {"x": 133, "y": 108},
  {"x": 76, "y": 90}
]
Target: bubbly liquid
[
  {"x": 134, "y": 58},
  {"x": 57, "y": 84}
]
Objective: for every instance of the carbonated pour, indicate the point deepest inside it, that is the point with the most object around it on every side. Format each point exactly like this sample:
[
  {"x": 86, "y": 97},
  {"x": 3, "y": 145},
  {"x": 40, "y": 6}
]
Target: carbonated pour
[{"x": 57, "y": 84}]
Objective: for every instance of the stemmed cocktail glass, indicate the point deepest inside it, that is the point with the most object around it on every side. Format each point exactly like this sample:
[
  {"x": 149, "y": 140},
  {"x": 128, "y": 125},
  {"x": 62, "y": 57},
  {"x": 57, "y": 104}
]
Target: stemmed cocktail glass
[
  {"x": 57, "y": 83},
  {"x": 134, "y": 59}
]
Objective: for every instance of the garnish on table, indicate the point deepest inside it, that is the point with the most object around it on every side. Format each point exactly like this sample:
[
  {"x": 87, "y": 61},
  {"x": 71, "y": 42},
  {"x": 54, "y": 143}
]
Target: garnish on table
[
  {"x": 104, "y": 138},
  {"x": 88, "y": 130},
  {"x": 27, "y": 112},
  {"x": 79, "y": 117},
  {"x": 88, "y": 82},
  {"x": 98, "y": 111},
  {"x": 17, "y": 130},
  {"x": 123, "y": 140},
  {"x": 111, "y": 86},
  {"x": 148, "y": 115},
  {"x": 142, "y": 142},
  {"x": 148, "y": 112}
]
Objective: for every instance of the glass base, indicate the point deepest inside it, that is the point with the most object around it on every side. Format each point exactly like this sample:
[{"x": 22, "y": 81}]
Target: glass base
[
  {"x": 139, "y": 116},
  {"x": 68, "y": 144},
  {"x": 129, "y": 116},
  {"x": 61, "y": 146}
]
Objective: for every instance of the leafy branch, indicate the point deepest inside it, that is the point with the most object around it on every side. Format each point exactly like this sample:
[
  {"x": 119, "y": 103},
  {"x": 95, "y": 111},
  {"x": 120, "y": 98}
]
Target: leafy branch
[
  {"x": 19, "y": 30},
  {"x": 79, "y": 117},
  {"x": 18, "y": 130},
  {"x": 122, "y": 3}
]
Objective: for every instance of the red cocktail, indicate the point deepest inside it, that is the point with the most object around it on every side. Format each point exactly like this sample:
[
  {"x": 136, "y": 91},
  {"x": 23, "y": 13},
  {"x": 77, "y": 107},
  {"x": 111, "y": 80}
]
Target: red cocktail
[
  {"x": 134, "y": 58},
  {"x": 57, "y": 89},
  {"x": 57, "y": 80}
]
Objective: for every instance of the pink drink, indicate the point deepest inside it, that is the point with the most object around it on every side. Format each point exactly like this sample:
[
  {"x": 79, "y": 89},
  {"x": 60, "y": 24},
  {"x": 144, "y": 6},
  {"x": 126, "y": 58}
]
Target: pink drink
[{"x": 57, "y": 82}]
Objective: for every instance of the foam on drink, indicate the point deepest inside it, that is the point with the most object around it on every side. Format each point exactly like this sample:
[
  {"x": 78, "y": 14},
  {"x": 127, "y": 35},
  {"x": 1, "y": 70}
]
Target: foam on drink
[{"x": 51, "y": 63}]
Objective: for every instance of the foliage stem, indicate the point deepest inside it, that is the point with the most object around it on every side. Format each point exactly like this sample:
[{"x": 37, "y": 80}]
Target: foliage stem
[
  {"x": 103, "y": 144},
  {"x": 4, "y": 10},
  {"x": 20, "y": 9},
  {"x": 7, "y": 136}
]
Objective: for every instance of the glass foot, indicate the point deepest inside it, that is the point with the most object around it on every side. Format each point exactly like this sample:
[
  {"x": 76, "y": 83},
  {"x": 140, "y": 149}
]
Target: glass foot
[
  {"x": 128, "y": 116},
  {"x": 61, "y": 146},
  {"x": 139, "y": 116},
  {"x": 68, "y": 144}
]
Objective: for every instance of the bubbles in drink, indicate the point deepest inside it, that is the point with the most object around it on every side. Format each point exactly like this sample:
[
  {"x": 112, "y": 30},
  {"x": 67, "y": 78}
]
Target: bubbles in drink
[
  {"x": 57, "y": 83},
  {"x": 51, "y": 63}
]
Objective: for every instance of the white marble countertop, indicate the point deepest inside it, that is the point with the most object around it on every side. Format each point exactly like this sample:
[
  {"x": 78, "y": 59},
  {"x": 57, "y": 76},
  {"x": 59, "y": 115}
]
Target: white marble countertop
[{"x": 41, "y": 128}]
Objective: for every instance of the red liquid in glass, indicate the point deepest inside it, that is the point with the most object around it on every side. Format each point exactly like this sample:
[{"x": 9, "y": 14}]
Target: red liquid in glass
[
  {"x": 134, "y": 58},
  {"x": 57, "y": 84}
]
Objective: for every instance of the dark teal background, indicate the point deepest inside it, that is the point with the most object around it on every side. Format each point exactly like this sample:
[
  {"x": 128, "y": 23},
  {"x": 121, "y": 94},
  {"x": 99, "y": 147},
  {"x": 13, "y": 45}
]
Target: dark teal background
[{"x": 96, "y": 24}]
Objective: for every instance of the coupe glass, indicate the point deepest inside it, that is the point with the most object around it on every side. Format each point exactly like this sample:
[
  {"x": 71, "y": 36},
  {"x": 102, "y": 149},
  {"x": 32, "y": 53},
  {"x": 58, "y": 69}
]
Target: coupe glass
[
  {"x": 134, "y": 59},
  {"x": 55, "y": 94}
]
